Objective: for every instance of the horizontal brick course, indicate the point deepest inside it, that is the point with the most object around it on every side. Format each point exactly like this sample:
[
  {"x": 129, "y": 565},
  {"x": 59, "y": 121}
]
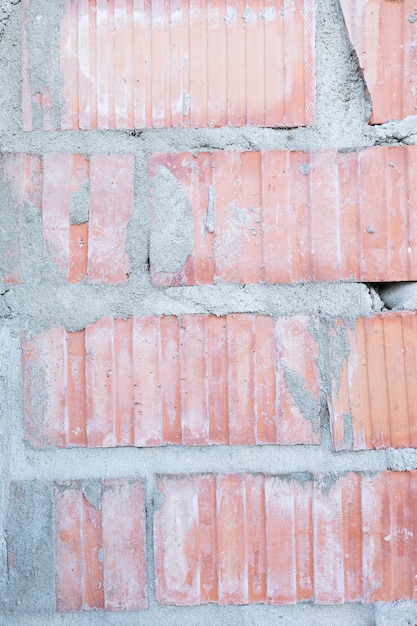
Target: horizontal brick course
[
  {"x": 373, "y": 400},
  {"x": 284, "y": 539},
  {"x": 132, "y": 64},
  {"x": 100, "y": 545},
  {"x": 195, "y": 380},
  {"x": 84, "y": 203},
  {"x": 384, "y": 37},
  {"x": 281, "y": 217}
]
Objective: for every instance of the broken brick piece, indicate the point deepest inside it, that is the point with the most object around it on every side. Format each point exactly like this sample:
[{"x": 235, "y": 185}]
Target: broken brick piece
[
  {"x": 100, "y": 545},
  {"x": 373, "y": 397}
]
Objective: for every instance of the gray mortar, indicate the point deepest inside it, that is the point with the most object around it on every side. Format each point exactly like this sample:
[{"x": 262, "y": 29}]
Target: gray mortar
[
  {"x": 80, "y": 204},
  {"x": 43, "y": 43},
  {"x": 303, "y": 398},
  {"x": 172, "y": 239},
  {"x": 43, "y": 299}
]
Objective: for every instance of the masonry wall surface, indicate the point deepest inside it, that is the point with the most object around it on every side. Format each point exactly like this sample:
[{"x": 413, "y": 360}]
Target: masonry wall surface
[{"x": 229, "y": 478}]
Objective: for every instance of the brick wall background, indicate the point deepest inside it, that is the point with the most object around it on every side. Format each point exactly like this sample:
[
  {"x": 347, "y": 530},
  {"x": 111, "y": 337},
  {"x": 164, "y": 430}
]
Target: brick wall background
[{"x": 208, "y": 414}]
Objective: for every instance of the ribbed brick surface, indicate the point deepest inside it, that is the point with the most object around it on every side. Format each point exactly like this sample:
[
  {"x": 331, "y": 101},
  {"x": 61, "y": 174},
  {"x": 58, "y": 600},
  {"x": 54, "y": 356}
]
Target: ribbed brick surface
[
  {"x": 130, "y": 64},
  {"x": 198, "y": 380},
  {"x": 84, "y": 203},
  {"x": 100, "y": 545},
  {"x": 284, "y": 539},
  {"x": 384, "y": 36},
  {"x": 281, "y": 217},
  {"x": 373, "y": 401}
]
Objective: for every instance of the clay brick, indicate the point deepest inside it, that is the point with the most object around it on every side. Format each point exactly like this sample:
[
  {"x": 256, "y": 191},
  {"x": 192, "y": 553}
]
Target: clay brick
[
  {"x": 84, "y": 205},
  {"x": 373, "y": 396},
  {"x": 384, "y": 37},
  {"x": 280, "y": 216},
  {"x": 100, "y": 545},
  {"x": 321, "y": 538},
  {"x": 133, "y": 64},
  {"x": 150, "y": 381}
]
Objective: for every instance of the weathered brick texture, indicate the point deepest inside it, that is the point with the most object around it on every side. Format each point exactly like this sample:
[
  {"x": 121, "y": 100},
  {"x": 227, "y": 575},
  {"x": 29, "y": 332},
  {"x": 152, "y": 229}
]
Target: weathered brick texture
[
  {"x": 384, "y": 37},
  {"x": 194, "y": 380},
  {"x": 374, "y": 371},
  {"x": 84, "y": 204},
  {"x": 283, "y": 539},
  {"x": 281, "y": 216},
  {"x": 152, "y": 64},
  {"x": 100, "y": 545}
]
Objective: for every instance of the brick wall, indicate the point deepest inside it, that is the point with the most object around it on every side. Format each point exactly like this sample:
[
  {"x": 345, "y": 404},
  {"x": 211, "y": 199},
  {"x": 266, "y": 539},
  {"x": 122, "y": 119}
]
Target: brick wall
[{"x": 208, "y": 413}]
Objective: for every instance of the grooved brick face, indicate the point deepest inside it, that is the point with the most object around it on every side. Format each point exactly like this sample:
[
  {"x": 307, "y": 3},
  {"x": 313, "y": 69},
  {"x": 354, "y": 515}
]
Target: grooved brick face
[
  {"x": 198, "y": 380},
  {"x": 281, "y": 216},
  {"x": 84, "y": 205},
  {"x": 284, "y": 539},
  {"x": 132, "y": 64},
  {"x": 100, "y": 545},
  {"x": 373, "y": 400},
  {"x": 384, "y": 36}
]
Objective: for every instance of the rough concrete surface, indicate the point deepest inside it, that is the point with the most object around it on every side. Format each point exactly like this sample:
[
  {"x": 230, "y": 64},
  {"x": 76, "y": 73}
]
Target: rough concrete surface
[{"x": 41, "y": 301}]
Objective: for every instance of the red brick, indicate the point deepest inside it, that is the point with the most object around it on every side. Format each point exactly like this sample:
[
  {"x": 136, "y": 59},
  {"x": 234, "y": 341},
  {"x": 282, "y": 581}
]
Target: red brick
[
  {"x": 198, "y": 380},
  {"x": 384, "y": 37},
  {"x": 321, "y": 538},
  {"x": 373, "y": 396},
  {"x": 280, "y": 216},
  {"x": 93, "y": 249},
  {"x": 152, "y": 64},
  {"x": 100, "y": 545}
]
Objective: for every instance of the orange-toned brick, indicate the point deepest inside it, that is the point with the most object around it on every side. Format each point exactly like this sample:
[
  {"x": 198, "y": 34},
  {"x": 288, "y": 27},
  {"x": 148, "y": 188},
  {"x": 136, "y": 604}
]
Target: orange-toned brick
[
  {"x": 385, "y": 40},
  {"x": 85, "y": 204},
  {"x": 280, "y": 216},
  {"x": 373, "y": 396},
  {"x": 100, "y": 545},
  {"x": 322, "y": 538},
  {"x": 198, "y": 380},
  {"x": 132, "y": 64}
]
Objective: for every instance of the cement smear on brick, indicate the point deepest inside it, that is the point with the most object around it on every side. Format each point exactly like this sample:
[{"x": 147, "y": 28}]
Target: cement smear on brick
[{"x": 43, "y": 299}]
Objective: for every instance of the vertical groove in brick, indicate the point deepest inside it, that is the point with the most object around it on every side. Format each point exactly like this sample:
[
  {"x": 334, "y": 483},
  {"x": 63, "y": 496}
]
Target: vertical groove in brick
[
  {"x": 231, "y": 539},
  {"x": 146, "y": 381},
  {"x": 170, "y": 380},
  {"x": 69, "y": 572},
  {"x": 100, "y": 383},
  {"x": 111, "y": 183},
  {"x": 123, "y": 552},
  {"x": 218, "y": 379},
  {"x": 240, "y": 353},
  {"x": 256, "y": 537},
  {"x": 76, "y": 391},
  {"x": 265, "y": 390},
  {"x": 123, "y": 388},
  {"x": 207, "y": 538},
  {"x": 100, "y": 551},
  {"x": 373, "y": 382}
]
